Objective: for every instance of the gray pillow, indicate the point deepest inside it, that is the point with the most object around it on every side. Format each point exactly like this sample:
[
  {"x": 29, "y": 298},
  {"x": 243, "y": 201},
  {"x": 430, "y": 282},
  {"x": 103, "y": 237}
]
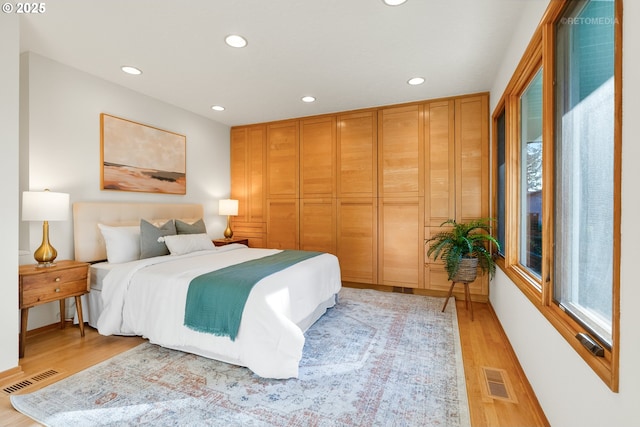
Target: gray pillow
[
  {"x": 197, "y": 227},
  {"x": 149, "y": 235}
]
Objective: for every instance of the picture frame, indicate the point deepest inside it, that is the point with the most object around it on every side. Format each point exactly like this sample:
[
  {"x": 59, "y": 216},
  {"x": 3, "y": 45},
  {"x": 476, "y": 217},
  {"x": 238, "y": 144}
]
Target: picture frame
[{"x": 141, "y": 158}]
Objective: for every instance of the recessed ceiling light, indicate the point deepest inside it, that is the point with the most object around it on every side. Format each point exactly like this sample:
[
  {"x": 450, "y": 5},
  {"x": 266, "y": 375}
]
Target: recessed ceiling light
[
  {"x": 235, "y": 40},
  {"x": 217, "y": 107},
  {"x": 308, "y": 99},
  {"x": 415, "y": 81},
  {"x": 131, "y": 70},
  {"x": 393, "y": 2}
]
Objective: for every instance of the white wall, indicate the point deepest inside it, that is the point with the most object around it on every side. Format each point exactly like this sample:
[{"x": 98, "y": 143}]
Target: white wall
[
  {"x": 60, "y": 134},
  {"x": 9, "y": 131},
  {"x": 568, "y": 390}
]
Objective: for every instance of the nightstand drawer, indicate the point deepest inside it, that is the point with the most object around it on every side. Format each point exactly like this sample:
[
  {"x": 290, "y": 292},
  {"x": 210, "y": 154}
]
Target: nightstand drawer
[{"x": 51, "y": 286}]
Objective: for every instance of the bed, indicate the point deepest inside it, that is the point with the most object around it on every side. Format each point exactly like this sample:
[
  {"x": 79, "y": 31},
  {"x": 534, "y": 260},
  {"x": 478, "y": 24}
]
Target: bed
[{"x": 149, "y": 296}]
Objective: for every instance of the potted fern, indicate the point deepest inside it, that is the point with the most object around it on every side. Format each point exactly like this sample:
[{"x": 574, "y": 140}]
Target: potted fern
[{"x": 463, "y": 248}]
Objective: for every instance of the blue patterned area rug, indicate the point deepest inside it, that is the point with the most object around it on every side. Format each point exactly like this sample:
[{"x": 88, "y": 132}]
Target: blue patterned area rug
[{"x": 375, "y": 359}]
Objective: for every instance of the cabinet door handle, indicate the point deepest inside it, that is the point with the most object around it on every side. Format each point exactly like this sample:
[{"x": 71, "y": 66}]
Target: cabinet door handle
[
  {"x": 57, "y": 279},
  {"x": 57, "y": 289}
]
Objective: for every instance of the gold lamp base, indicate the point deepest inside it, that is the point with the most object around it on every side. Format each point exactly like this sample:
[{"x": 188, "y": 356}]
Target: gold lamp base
[
  {"x": 228, "y": 232},
  {"x": 45, "y": 254}
]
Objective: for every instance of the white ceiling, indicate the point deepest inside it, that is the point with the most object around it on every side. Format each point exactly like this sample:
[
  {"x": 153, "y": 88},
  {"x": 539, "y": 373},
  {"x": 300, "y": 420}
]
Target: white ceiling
[{"x": 349, "y": 54}]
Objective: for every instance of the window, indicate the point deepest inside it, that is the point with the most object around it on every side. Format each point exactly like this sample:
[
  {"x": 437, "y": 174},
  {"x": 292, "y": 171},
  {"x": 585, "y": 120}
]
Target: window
[
  {"x": 530, "y": 254},
  {"x": 499, "y": 130},
  {"x": 557, "y": 138},
  {"x": 584, "y": 175}
]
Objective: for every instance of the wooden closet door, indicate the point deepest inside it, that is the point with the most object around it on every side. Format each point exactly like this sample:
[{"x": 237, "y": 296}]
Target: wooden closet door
[
  {"x": 440, "y": 173},
  {"x": 318, "y": 225},
  {"x": 318, "y": 184},
  {"x": 401, "y": 234},
  {"x": 282, "y": 185},
  {"x": 247, "y": 183},
  {"x": 472, "y": 162},
  {"x": 282, "y": 160},
  {"x": 239, "y": 170},
  {"x": 358, "y": 239},
  {"x": 318, "y": 158},
  {"x": 400, "y": 152},
  {"x": 357, "y": 155},
  {"x": 282, "y": 224},
  {"x": 401, "y": 196},
  {"x": 472, "y": 166},
  {"x": 357, "y": 207},
  {"x": 440, "y": 182},
  {"x": 256, "y": 175}
]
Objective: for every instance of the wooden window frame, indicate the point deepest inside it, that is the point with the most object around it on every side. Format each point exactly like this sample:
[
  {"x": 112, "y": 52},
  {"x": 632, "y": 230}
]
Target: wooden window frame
[
  {"x": 495, "y": 117},
  {"x": 540, "y": 54}
]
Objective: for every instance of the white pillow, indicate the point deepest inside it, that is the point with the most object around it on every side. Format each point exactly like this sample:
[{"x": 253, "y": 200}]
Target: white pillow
[
  {"x": 123, "y": 243},
  {"x": 181, "y": 244}
]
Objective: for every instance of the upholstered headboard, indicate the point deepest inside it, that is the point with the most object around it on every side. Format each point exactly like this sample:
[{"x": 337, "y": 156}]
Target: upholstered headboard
[{"x": 88, "y": 242}]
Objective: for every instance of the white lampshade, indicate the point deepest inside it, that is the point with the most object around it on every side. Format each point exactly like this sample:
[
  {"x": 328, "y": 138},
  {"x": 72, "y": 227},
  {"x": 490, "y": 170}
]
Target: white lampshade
[
  {"x": 45, "y": 206},
  {"x": 228, "y": 207}
]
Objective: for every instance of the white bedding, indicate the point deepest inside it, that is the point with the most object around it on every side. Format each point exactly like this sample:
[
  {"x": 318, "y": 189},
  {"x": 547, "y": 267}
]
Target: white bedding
[{"x": 147, "y": 298}]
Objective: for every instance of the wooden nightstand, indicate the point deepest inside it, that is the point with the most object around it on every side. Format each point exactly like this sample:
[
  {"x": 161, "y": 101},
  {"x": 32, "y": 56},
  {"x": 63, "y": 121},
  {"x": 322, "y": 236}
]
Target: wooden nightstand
[
  {"x": 222, "y": 242},
  {"x": 40, "y": 285}
]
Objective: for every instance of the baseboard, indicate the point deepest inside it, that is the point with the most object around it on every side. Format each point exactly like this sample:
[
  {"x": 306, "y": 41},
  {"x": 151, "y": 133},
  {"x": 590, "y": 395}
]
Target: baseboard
[
  {"x": 416, "y": 291},
  {"x": 47, "y": 328},
  {"x": 9, "y": 374}
]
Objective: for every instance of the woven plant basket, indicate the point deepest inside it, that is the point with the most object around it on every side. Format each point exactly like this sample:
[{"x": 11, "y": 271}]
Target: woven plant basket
[{"x": 468, "y": 270}]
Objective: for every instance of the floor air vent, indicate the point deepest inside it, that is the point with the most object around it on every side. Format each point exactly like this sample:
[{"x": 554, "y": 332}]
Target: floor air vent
[
  {"x": 17, "y": 386},
  {"x": 44, "y": 375},
  {"x": 497, "y": 384},
  {"x": 28, "y": 382}
]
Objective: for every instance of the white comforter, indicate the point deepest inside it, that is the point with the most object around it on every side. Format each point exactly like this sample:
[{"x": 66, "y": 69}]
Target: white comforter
[{"x": 147, "y": 298}]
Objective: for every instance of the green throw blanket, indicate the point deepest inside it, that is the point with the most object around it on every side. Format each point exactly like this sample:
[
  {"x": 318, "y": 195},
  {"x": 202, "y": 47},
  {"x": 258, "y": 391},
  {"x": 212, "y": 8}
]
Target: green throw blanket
[{"x": 215, "y": 300}]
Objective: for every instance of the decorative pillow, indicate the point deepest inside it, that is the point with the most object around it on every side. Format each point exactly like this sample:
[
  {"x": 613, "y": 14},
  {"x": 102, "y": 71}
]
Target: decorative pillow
[
  {"x": 123, "y": 243},
  {"x": 181, "y": 244},
  {"x": 150, "y": 246},
  {"x": 197, "y": 227}
]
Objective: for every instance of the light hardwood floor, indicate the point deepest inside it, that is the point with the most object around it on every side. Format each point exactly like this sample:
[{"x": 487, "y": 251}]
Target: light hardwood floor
[{"x": 483, "y": 345}]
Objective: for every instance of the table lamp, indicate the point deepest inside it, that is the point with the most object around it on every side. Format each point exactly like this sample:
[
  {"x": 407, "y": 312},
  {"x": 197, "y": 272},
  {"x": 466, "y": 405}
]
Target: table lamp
[
  {"x": 228, "y": 207},
  {"x": 45, "y": 206}
]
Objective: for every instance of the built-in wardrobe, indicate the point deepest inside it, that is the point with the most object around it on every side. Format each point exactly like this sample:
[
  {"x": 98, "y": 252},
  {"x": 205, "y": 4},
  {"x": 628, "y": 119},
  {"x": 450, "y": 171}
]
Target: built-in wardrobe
[{"x": 368, "y": 186}]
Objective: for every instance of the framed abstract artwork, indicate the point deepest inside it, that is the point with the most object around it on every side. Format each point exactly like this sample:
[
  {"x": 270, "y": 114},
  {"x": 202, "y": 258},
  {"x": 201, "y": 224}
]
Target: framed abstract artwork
[{"x": 137, "y": 157}]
